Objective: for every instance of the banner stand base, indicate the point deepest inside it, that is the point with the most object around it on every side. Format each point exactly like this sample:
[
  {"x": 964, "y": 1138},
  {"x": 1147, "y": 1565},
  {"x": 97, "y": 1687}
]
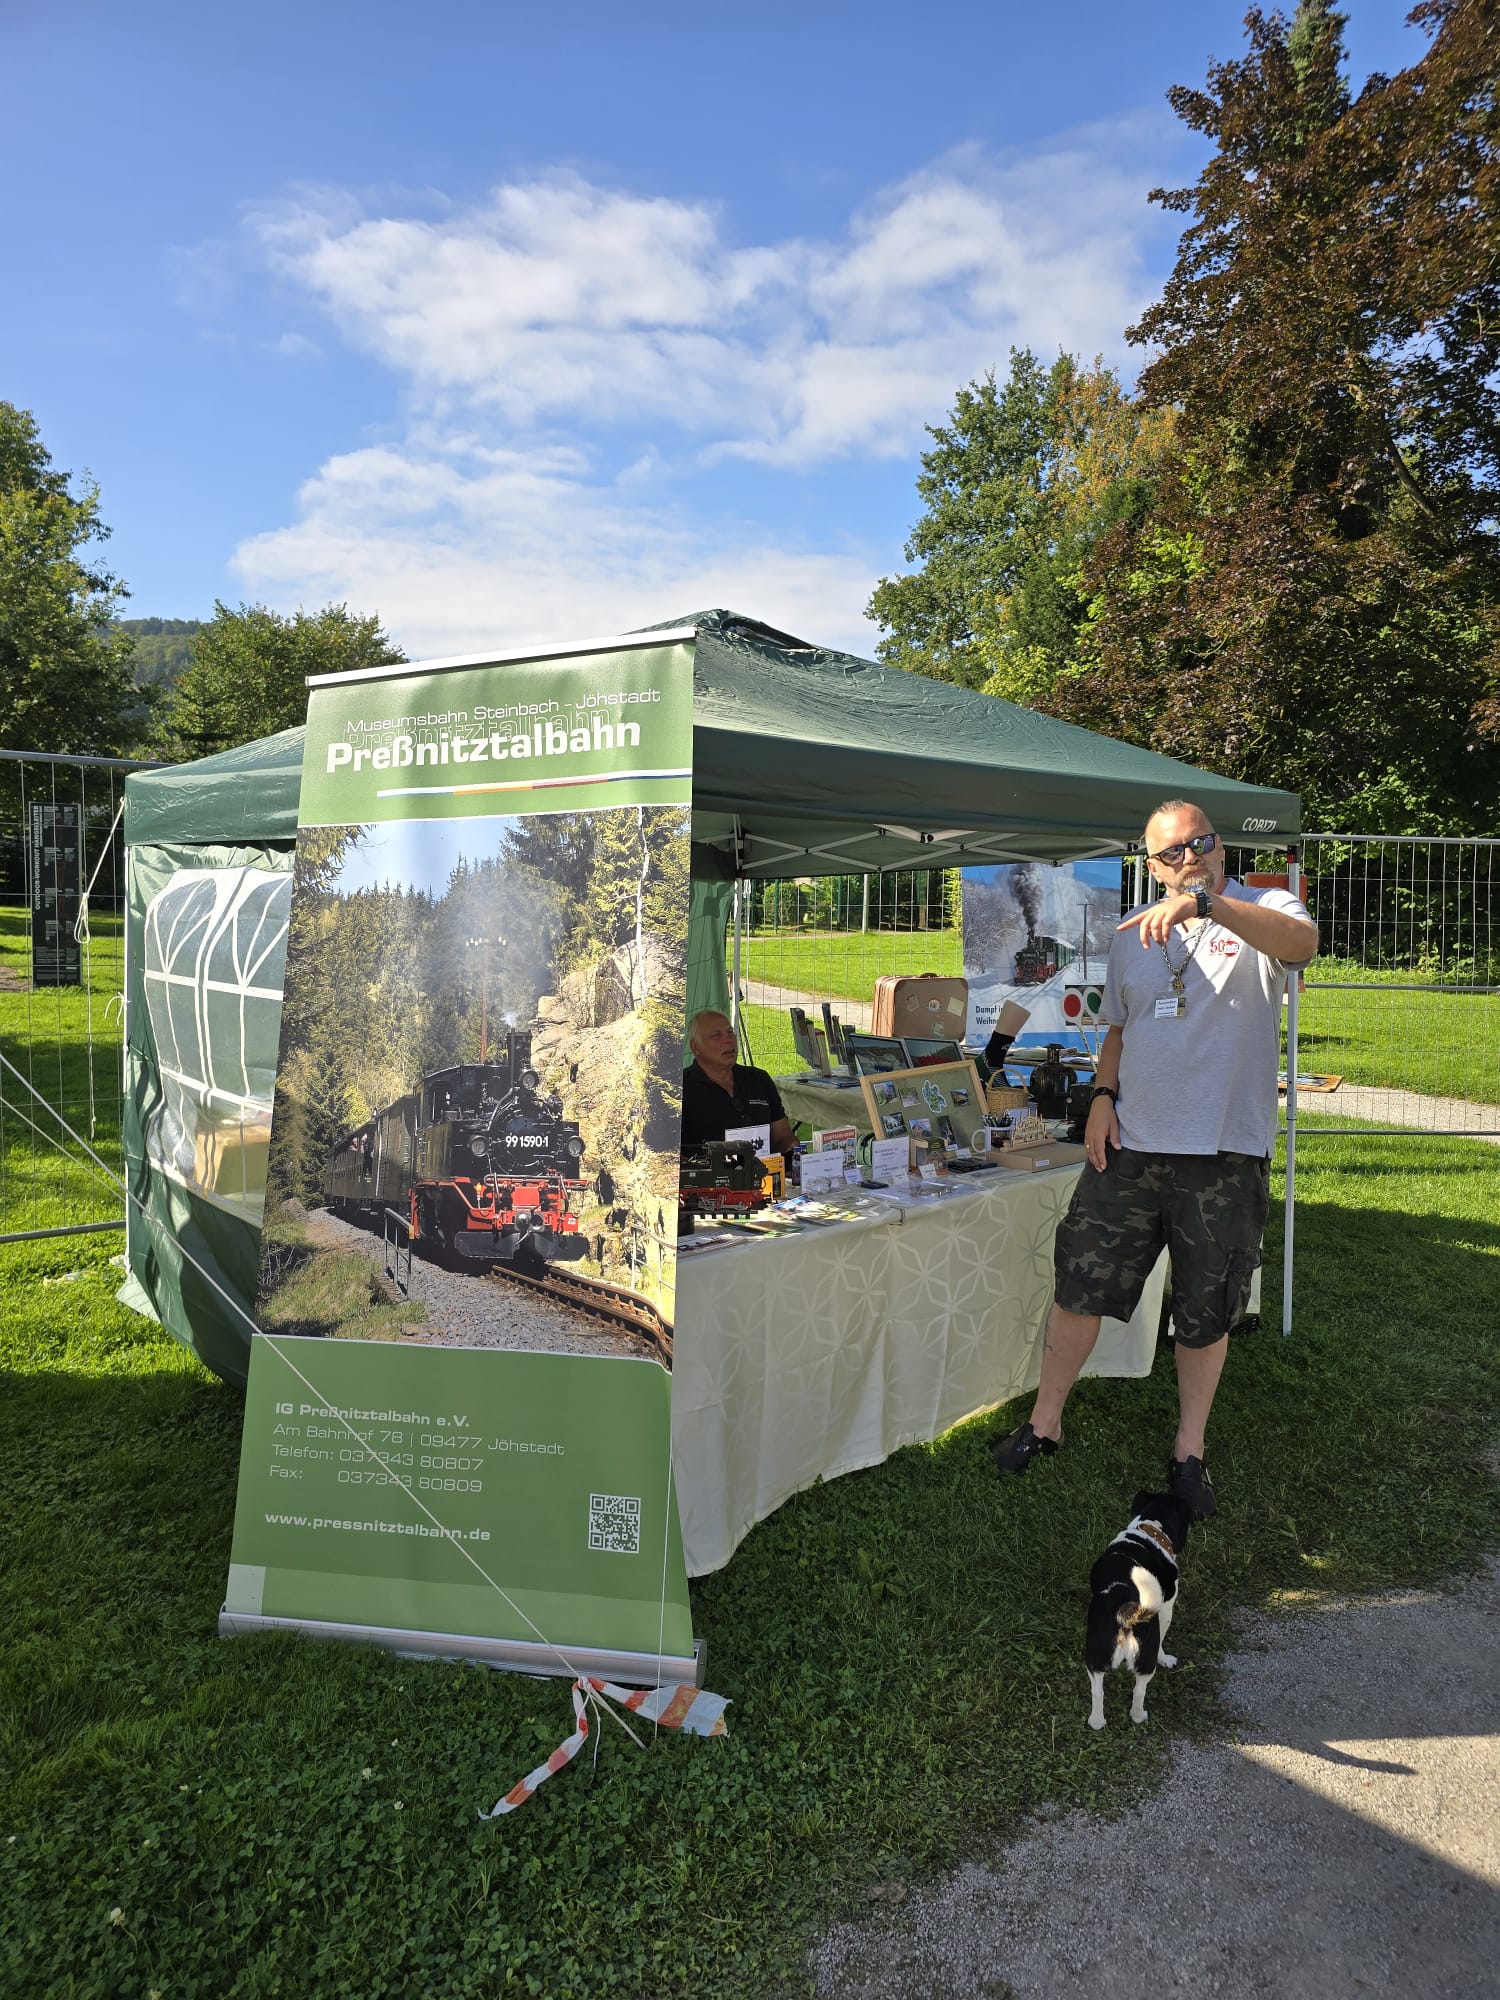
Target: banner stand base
[{"x": 520, "y": 1656}]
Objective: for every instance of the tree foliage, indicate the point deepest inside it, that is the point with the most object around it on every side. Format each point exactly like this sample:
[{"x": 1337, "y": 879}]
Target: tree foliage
[
  {"x": 1286, "y": 565},
  {"x": 250, "y": 667},
  {"x": 610, "y": 870},
  {"x": 65, "y": 681},
  {"x": 1312, "y": 598},
  {"x": 162, "y": 648},
  {"x": 1019, "y": 487}
]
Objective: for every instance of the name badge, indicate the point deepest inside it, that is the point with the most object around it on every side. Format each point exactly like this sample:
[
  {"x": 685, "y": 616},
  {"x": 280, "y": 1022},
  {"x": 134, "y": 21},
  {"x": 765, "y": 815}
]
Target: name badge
[{"x": 1170, "y": 1008}]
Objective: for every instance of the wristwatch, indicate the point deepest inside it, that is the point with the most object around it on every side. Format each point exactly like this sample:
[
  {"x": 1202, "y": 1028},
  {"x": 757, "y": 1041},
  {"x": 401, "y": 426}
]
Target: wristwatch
[
  {"x": 1106, "y": 1090},
  {"x": 1205, "y": 903}
]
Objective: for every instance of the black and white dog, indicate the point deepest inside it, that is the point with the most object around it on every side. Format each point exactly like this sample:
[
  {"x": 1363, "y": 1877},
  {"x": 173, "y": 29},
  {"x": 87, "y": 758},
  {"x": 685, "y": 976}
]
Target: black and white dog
[{"x": 1134, "y": 1586}]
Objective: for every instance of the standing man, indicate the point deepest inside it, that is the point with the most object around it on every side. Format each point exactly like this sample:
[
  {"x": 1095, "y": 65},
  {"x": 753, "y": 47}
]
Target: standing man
[
  {"x": 1179, "y": 1134},
  {"x": 720, "y": 1094}
]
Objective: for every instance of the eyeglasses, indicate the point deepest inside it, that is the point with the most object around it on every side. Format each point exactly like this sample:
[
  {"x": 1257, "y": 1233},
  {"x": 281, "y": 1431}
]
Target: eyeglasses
[{"x": 1200, "y": 844}]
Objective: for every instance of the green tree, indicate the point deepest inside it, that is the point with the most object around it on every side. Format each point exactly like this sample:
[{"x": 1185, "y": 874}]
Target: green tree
[
  {"x": 1312, "y": 598},
  {"x": 984, "y": 484},
  {"x": 249, "y": 671},
  {"x": 163, "y": 648},
  {"x": 1019, "y": 487},
  {"x": 610, "y": 871},
  {"x": 65, "y": 680}
]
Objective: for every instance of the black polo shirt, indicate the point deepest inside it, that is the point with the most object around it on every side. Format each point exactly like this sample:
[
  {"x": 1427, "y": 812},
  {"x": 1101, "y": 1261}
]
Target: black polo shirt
[{"x": 708, "y": 1112}]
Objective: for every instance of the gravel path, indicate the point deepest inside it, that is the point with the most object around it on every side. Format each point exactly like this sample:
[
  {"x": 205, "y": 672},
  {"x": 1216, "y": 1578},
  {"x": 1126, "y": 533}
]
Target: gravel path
[
  {"x": 853, "y": 1013},
  {"x": 470, "y": 1310},
  {"x": 1371, "y": 1104},
  {"x": 1345, "y": 1841}
]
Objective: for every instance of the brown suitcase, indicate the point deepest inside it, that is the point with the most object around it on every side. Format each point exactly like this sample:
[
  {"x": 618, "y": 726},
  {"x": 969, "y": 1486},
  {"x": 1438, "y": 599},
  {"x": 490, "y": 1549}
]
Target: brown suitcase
[{"x": 925, "y": 1005}]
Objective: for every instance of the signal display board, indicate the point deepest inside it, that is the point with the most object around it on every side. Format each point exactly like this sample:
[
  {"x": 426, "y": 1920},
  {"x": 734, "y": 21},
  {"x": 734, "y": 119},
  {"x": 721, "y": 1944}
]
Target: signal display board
[
  {"x": 1081, "y": 1005},
  {"x": 56, "y": 955}
]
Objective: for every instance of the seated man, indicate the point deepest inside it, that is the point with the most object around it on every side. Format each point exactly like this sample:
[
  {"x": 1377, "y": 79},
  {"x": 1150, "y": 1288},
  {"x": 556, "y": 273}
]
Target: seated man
[{"x": 720, "y": 1095}]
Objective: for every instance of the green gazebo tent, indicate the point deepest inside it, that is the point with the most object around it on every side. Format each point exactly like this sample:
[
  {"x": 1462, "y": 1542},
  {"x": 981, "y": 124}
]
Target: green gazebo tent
[{"x": 805, "y": 761}]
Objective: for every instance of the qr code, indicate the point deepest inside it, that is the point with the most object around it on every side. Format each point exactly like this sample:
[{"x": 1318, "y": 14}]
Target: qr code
[{"x": 615, "y": 1523}]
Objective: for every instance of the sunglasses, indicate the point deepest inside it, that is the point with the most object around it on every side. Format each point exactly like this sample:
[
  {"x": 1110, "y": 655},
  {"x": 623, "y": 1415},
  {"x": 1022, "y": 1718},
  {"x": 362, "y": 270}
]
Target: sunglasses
[{"x": 1200, "y": 844}]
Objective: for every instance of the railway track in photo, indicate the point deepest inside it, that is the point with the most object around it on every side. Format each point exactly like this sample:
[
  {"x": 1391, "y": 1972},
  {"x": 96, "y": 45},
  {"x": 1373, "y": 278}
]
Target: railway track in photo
[{"x": 613, "y": 1304}]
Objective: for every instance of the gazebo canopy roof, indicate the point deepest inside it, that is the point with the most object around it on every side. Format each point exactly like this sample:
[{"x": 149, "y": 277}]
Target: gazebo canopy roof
[{"x": 808, "y": 761}]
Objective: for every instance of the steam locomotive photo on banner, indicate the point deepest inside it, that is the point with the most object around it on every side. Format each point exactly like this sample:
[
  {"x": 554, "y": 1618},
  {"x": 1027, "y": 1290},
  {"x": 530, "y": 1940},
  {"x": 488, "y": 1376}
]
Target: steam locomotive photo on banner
[
  {"x": 475, "y": 1132},
  {"x": 480, "y": 1161},
  {"x": 1032, "y": 932}
]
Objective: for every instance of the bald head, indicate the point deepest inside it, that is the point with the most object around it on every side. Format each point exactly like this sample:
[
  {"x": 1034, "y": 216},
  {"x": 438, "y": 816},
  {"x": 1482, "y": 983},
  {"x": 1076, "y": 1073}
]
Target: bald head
[
  {"x": 1170, "y": 827},
  {"x": 711, "y": 1038}
]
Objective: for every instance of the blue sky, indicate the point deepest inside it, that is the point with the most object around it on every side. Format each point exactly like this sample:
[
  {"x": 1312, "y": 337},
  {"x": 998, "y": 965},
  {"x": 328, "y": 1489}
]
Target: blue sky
[
  {"x": 419, "y": 854},
  {"x": 532, "y": 323}
]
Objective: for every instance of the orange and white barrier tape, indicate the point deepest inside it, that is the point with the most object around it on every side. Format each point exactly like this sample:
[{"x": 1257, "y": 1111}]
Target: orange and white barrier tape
[{"x": 692, "y": 1709}]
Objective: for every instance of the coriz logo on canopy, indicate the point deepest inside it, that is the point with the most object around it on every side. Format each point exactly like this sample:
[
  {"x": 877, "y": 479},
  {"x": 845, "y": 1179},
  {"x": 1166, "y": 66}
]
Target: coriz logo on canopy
[{"x": 1082, "y": 1003}]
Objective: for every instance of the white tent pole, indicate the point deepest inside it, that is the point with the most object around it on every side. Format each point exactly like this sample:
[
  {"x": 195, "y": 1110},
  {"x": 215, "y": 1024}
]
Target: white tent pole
[
  {"x": 1294, "y": 883},
  {"x": 125, "y": 1019},
  {"x": 734, "y": 991},
  {"x": 864, "y": 915}
]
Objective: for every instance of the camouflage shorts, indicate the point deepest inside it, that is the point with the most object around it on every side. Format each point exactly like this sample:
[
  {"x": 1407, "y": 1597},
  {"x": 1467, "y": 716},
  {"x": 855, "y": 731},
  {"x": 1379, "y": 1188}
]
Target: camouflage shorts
[{"x": 1208, "y": 1210}]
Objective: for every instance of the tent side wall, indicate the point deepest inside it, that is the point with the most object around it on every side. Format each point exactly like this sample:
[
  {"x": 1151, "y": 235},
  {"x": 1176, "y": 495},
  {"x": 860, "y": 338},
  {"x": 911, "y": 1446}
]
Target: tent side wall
[
  {"x": 209, "y": 860},
  {"x": 206, "y": 952}
]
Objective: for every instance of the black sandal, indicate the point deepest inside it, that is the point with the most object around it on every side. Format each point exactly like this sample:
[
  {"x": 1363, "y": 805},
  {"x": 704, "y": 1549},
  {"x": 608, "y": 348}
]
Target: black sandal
[
  {"x": 1188, "y": 1480},
  {"x": 1015, "y": 1452}
]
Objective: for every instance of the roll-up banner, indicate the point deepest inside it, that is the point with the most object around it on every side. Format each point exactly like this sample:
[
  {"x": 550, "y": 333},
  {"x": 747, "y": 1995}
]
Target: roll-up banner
[{"x": 457, "y": 1426}]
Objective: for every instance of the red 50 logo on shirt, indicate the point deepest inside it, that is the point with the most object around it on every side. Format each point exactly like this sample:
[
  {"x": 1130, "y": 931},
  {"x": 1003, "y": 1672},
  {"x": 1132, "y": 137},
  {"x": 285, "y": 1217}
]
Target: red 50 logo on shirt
[{"x": 1226, "y": 946}]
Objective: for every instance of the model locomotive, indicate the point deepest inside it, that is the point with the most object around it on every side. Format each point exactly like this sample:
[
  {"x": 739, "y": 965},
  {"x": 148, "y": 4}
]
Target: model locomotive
[
  {"x": 479, "y": 1160},
  {"x": 724, "y": 1177}
]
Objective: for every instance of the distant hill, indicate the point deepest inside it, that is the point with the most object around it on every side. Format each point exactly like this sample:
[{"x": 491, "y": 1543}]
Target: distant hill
[{"x": 163, "y": 648}]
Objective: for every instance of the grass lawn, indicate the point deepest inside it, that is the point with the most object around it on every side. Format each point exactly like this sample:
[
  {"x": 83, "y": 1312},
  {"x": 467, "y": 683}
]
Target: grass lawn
[
  {"x": 843, "y": 964},
  {"x": 771, "y": 1045},
  {"x": 192, "y": 1817},
  {"x": 60, "y": 1038},
  {"x": 1441, "y": 1044}
]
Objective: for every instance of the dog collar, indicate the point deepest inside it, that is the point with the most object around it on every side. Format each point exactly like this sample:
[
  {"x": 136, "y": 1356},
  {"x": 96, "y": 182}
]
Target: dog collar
[{"x": 1152, "y": 1534}]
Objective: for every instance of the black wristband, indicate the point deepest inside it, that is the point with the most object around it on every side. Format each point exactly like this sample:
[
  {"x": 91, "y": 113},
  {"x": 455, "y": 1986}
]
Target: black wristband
[
  {"x": 1105, "y": 1090},
  {"x": 1205, "y": 902}
]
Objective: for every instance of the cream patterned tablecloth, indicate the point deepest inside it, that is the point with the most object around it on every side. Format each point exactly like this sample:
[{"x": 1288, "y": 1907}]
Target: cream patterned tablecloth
[{"x": 814, "y": 1355}]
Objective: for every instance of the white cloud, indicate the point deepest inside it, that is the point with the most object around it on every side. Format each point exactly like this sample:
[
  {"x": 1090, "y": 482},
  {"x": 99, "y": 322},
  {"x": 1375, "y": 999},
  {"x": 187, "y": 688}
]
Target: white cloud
[
  {"x": 556, "y": 301},
  {"x": 296, "y": 347},
  {"x": 467, "y": 547},
  {"x": 557, "y": 328}
]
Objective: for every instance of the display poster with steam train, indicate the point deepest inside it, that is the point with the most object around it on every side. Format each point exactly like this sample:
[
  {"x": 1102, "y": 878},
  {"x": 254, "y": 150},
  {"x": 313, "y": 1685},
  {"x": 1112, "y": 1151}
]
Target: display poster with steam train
[
  {"x": 457, "y": 1433},
  {"x": 1038, "y": 935}
]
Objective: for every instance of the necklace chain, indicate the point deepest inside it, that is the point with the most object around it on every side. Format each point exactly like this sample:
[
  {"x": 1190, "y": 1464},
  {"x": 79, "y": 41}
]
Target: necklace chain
[{"x": 1177, "y": 971}]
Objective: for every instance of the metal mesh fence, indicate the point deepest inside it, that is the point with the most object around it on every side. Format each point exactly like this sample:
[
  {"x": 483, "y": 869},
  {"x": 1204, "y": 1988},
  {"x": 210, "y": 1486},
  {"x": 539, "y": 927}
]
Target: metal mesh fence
[
  {"x": 62, "y": 946},
  {"x": 830, "y": 937},
  {"x": 1399, "y": 1016}
]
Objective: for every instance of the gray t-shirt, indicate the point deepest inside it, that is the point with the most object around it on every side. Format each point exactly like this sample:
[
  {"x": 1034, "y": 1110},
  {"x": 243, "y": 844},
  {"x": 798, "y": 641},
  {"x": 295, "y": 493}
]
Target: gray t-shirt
[{"x": 1204, "y": 1081}]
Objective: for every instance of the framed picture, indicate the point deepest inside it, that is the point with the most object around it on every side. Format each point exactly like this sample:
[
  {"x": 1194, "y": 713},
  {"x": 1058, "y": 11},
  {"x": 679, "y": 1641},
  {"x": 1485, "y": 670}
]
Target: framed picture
[
  {"x": 935, "y": 1099},
  {"x": 876, "y": 1055},
  {"x": 922, "y": 1052}
]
